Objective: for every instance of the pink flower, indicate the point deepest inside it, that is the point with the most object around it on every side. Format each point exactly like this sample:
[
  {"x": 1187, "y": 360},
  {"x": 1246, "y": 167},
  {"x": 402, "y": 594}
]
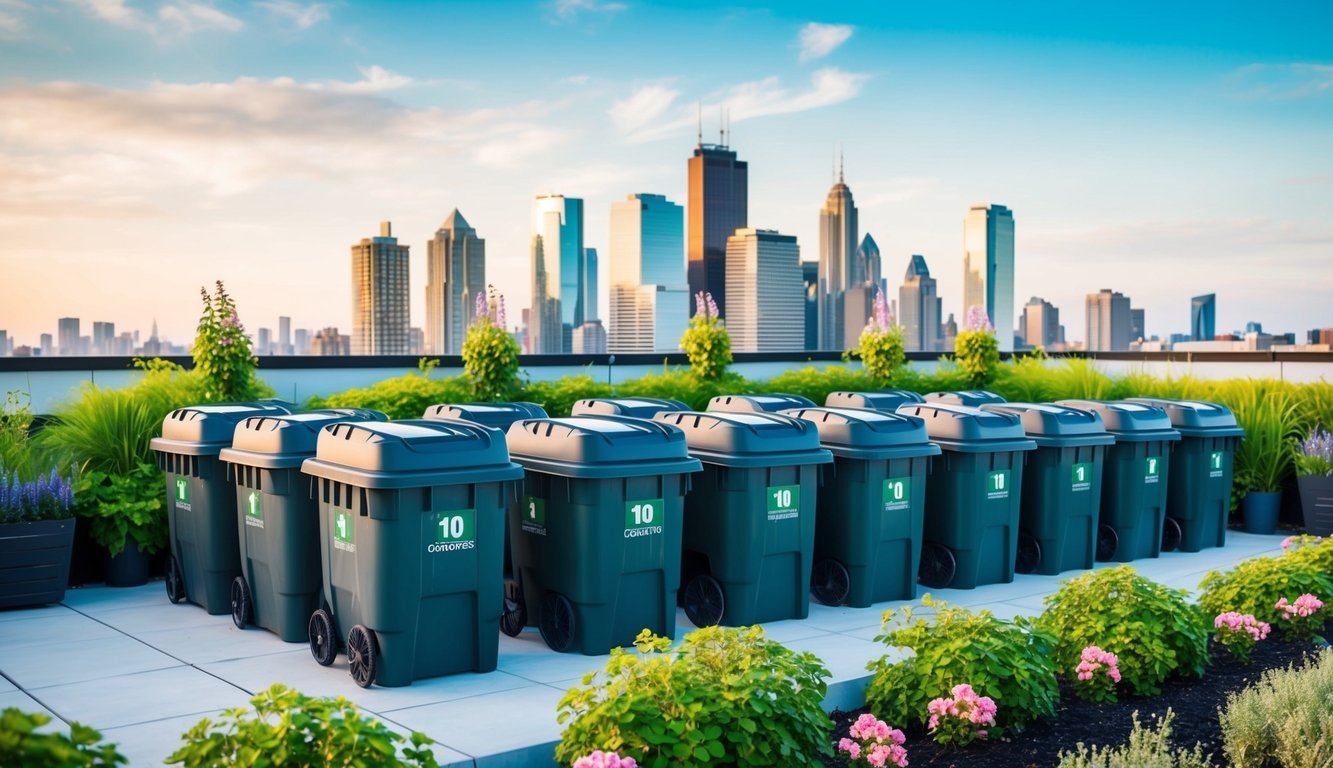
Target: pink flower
[
  {"x": 852, "y": 749},
  {"x": 977, "y": 319},
  {"x": 1287, "y": 542}
]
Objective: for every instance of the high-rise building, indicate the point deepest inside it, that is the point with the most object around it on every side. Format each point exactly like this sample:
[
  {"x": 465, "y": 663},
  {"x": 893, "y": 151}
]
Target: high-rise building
[
  {"x": 988, "y": 267},
  {"x": 329, "y": 343},
  {"x": 46, "y": 344},
  {"x": 948, "y": 333},
  {"x": 455, "y": 277},
  {"x": 302, "y": 342},
  {"x": 1109, "y": 321},
  {"x": 104, "y": 335},
  {"x": 840, "y": 268},
  {"x": 416, "y": 341},
  {"x": 1203, "y": 317},
  {"x": 590, "y": 285},
  {"x": 589, "y": 339},
  {"x": 284, "y": 345},
  {"x": 810, "y": 276},
  {"x": 718, "y": 206},
  {"x": 264, "y": 342},
  {"x": 558, "y": 273},
  {"x": 1136, "y": 327},
  {"x": 867, "y": 255},
  {"x": 649, "y": 292},
  {"x": 764, "y": 288},
  {"x": 919, "y": 306},
  {"x": 4, "y": 344},
  {"x": 68, "y": 328},
  {"x": 1040, "y": 324},
  {"x": 380, "y": 290}
]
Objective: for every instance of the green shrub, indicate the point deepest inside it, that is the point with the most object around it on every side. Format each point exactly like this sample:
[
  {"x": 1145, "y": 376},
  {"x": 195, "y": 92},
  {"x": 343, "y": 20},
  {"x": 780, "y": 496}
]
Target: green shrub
[
  {"x": 221, "y": 350},
  {"x": 976, "y": 350},
  {"x": 1026, "y": 380},
  {"x": 18, "y": 452},
  {"x": 726, "y": 696},
  {"x": 706, "y": 342},
  {"x": 1255, "y": 585},
  {"x": 22, "y": 745},
  {"x": 681, "y": 384},
  {"x": 404, "y": 397},
  {"x": 287, "y": 728},
  {"x": 880, "y": 345},
  {"x": 558, "y": 396},
  {"x": 1147, "y": 748},
  {"x": 816, "y": 383},
  {"x": 124, "y": 505},
  {"x": 490, "y": 353},
  {"x": 1007, "y": 661},
  {"x": 1152, "y": 629},
  {"x": 1283, "y": 720}
]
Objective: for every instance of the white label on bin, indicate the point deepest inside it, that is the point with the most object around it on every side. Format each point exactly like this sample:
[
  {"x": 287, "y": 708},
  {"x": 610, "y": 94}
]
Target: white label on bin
[
  {"x": 1215, "y": 464},
  {"x": 897, "y": 494},
  {"x": 643, "y": 517},
  {"x": 1152, "y": 469},
  {"x": 534, "y": 516},
  {"x": 454, "y": 531},
  {"x": 254, "y": 509},
  {"x": 344, "y": 530},
  {"x": 1082, "y": 477},
  {"x": 784, "y": 502},
  {"x": 997, "y": 485},
  {"x": 182, "y": 497}
]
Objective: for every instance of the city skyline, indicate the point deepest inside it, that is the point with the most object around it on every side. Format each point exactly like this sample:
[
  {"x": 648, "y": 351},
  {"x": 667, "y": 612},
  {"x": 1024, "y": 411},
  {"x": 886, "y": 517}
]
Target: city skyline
[{"x": 221, "y": 145}]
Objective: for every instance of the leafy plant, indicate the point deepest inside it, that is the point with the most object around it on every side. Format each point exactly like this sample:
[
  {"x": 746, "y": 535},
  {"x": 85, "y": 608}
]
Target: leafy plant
[
  {"x": 976, "y": 350},
  {"x": 1282, "y": 721},
  {"x": 816, "y": 383},
  {"x": 1302, "y": 617},
  {"x": 288, "y": 728},
  {"x": 404, "y": 397},
  {"x": 873, "y": 742},
  {"x": 1238, "y": 632},
  {"x": 706, "y": 342},
  {"x": 1254, "y": 586},
  {"x": 18, "y": 452},
  {"x": 1153, "y": 630},
  {"x": 47, "y": 498},
  {"x": 962, "y": 718},
  {"x": 1264, "y": 457},
  {"x": 681, "y": 384},
  {"x": 1315, "y": 456},
  {"x": 221, "y": 350},
  {"x": 880, "y": 346},
  {"x": 1146, "y": 749},
  {"x": 559, "y": 396},
  {"x": 490, "y": 353},
  {"x": 1097, "y": 674},
  {"x": 22, "y": 744},
  {"x": 600, "y": 759},
  {"x": 1007, "y": 661},
  {"x": 726, "y": 696},
  {"x": 124, "y": 505}
]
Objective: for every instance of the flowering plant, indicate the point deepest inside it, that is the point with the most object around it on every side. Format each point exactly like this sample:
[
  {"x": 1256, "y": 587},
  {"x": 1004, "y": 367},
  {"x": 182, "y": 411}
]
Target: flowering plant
[
  {"x": 873, "y": 741},
  {"x": 1091, "y": 685},
  {"x": 1238, "y": 632},
  {"x": 961, "y": 719},
  {"x": 976, "y": 350},
  {"x": 46, "y": 498},
  {"x": 490, "y": 353},
  {"x": 1315, "y": 456},
  {"x": 222, "y": 350},
  {"x": 600, "y": 759},
  {"x": 706, "y": 342},
  {"x": 880, "y": 345},
  {"x": 1303, "y": 615}
]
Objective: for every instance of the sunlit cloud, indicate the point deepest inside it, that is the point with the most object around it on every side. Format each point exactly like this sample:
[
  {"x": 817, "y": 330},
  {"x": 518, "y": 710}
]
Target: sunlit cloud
[
  {"x": 11, "y": 17},
  {"x": 180, "y": 17},
  {"x": 1281, "y": 81},
  {"x": 303, "y": 15},
  {"x": 569, "y": 10},
  {"x": 643, "y": 108},
  {"x": 819, "y": 40},
  {"x": 375, "y": 79}
]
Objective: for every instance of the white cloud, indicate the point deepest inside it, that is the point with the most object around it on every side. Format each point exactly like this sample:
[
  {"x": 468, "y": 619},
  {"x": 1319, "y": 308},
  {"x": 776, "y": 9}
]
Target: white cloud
[
  {"x": 11, "y": 17},
  {"x": 1281, "y": 81},
  {"x": 819, "y": 40},
  {"x": 190, "y": 17},
  {"x": 303, "y": 15},
  {"x": 375, "y": 79},
  {"x": 643, "y": 108},
  {"x": 569, "y": 10},
  {"x": 171, "y": 19}
]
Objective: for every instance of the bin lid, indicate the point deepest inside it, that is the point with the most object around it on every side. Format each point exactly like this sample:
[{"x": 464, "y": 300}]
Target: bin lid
[
  {"x": 640, "y": 407},
  {"x": 748, "y": 439},
  {"x": 412, "y": 453},
  {"x": 1196, "y": 418},
  {"x": 859, "y": 433},
  {"x": 965, "y": 429},
  {"x": 884, "y": 400},
  {"x": 1129, "y": 422},
  {"x": 971, "y": 397},
  {"x": 1057, "y": 426},
  {"x": 758, "y": 403},
  {"x": 204, "y": 430},
  {"x": 597, "y": 446},
  {"x": 496, "y": 415},
  {"x": 283, "y": 441}
]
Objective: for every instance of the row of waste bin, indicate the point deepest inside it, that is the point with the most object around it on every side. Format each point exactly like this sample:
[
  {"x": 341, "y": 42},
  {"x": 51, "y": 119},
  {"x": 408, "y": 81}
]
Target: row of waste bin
[{"x": 405, "y": 542}]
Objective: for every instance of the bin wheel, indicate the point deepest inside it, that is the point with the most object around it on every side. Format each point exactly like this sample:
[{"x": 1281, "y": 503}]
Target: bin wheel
[
  {"x": 514, "y": 614},
  {"x": 1107, "y": 543},
  {"x": 175, "y": 580},
  {"x": 1170, "y": 534},
  {"x": 704, "y": 602},
  {"x": 557, "y": 621},
  {"x": 938, "y": 566},
  {"x": 323, "y": 643},
  {"x": 362, "y": 655},
  {"x": 829, "y": 581},
  {"x": 1028, "y": 558},
  {"x": 240, "y": 602}
]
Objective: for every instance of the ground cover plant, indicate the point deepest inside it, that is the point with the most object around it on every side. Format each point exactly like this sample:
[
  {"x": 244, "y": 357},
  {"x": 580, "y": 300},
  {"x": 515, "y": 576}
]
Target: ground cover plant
[
  {"x": 1283, "y": 721},
  {"x": 1256, "y": 586},
  {"x": 23, "y": 744}
]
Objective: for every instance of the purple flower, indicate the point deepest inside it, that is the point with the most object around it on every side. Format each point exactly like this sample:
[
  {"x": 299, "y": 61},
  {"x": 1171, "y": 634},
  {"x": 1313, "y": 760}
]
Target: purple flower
[
  {"x": 500, "y": 309},
  {"x": 977, "y": 319},
  {"x": 699, "y": 307},
  {"x": 712, "y": 305},
  {"x": 481, "y": 306}
]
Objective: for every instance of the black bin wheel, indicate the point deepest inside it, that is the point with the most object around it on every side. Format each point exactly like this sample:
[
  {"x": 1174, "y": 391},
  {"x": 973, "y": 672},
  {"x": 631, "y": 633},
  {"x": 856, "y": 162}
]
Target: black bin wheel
[
  {"x": 1170, "y": 534},
  {"x": 938, "y": 566},
  {"x": 1107, "y": 543},
  {"x": 514, "y": 614},
  {"x": 703, "y": 601},
  {"x": 175, "y": 580},
  {"x": 829, "y": 581},
  {"x": 362, "y": 655},
  {"x": 323, "y": 638},
  {"x": 556, "y": 622},
  {"x": 240, "y": 602},
  {"x": 1028, "y": 558}
]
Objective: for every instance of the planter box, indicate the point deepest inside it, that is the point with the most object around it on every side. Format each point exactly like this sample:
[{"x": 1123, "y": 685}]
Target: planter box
[
  {"x": 1317, "y": 503},
  {"x": 34, "y": 562}
]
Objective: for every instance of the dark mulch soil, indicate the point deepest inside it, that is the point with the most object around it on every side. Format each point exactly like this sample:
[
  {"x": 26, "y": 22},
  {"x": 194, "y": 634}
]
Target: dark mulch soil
[{"x": 1195, "y": 703}]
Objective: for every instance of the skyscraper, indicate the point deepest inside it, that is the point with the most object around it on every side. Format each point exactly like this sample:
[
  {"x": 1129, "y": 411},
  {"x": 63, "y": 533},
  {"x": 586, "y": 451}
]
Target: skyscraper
[
  {"x": 104, "y": 335},
  {"x": 284, "y": 346},
  {"x": 867, "y": 255},
  {"x": 649, "y": 293},
  {"x": 840, "y": 268},
  {"x": 380, "y": 286},
  {"x": 558, "y": 273},
  {"x": 718, "y": 203},
  {"x": 68, "y": 330},
  {"x": 1040, "y": 324},
  {"x": 919, "y": 308},
  {"x": 263, "y": 342},
  {"x": 1108, "y": 321},
  {"x": 455, "y": 277},
  {"x": 764, "y": 289},
  {"x": 810, "y": 276},
  {"x": 988, "y": 267},
  {"x": 1136, "y": 323},
  {"x": 1203, "y": 316},
  {"x": 591, "y": 285}
]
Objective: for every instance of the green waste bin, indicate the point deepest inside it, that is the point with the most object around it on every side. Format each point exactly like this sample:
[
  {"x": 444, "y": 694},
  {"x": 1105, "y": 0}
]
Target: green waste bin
[
  {"x": 277, "y": 520},
  {"x": 750, "y": 517},
  {"x": 597, "y": 540},
  {"x": 410, "y": 521},
  {"x": 970, "y": 535},
  {"x": 1062, "y": 486},
  {"x": 973, "y": 398},
  {"x": 637, "y": 407},
  {"x": 868, "y": 530},
  {"x": 886, "y": 400},
  {"x": 758, "y": 403},
  {"x": 201, "y": 501},
  {"x": 1198, "y": 495},
  {"x": 1135, "y": 481}
]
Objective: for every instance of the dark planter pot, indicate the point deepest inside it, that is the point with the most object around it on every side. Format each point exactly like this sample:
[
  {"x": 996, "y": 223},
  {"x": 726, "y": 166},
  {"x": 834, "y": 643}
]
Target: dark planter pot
[
  {"x": 1317, "y": 503},
  {"x": 34, "y": 562},
  {"x": 88, "y": 563},
  {"x": 1259, "y": 509},
  {"x": 129, "y": 568}
]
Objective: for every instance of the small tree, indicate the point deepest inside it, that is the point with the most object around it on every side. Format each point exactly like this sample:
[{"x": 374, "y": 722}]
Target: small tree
[
  {"x": 880, "y": 346},
  {"x": 490, "y": 353},
  {"x": 706, "y": 342},
  {"x": 976, "y": 350},
  {"x": 221, "y": 350}
]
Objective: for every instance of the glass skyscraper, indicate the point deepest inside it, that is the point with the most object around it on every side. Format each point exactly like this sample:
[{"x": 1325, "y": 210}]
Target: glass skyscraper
[
  {"x": 558, "y": 273},
  {"x": 840, "y": 268},
  {"x": 764, "y": 290},
  {"x": 919, "y": 308},
  {"x": 455, "y": 277},
  {"x": 1109, "y": 321},
  {"x": 649, "y": 293},
  {"x": 1203, "y": 316},
  {"x": 988, "y": 267},
  {"x": 719, "y": 197},
  {"x": 380, "y": 285}
]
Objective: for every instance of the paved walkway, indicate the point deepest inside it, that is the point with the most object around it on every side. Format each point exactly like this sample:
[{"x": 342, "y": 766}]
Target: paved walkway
[{"x": 142, "y": 670}]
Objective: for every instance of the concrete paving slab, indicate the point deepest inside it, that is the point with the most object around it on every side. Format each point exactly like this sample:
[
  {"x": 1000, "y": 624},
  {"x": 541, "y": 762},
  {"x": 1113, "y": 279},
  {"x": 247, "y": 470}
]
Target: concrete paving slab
[
  {"x": 39, "y": 666},
  {"x": 152, "y": 742},
  {"x": 142, "y": 697},
  {"x": 208, "y": 643},
  {"x": 527, "y": 656},
  {"x": 161, "y": 616},
  {"x": 96, "y": 598},
  {"x": 58, "y": 627},
  {"x": 508, "y": 728},
  {"x": 28, "y": 705},
  {"x": 35, "y": 612}
]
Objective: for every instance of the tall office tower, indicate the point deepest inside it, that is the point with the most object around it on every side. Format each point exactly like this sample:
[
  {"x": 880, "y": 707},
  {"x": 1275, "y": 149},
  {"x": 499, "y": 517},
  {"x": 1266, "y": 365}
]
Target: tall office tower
[
  {"x": 104, "y": 335},
  {"x": 810, "y": 276},
  {"x": 1203, "y": 316},
  {"x": 416, "y": 341},
  {"x": 1040, "y": 324},
  {"x": 558, "y": 273},
  {"x": 329, "y": 343},
  {"x": 68, "y": 328},
  {"x": 589, "y": 339},
  {"x": 47, "y": 344},
  {"x": 264, "y": 342},
  {"x": 124, "y": 344},
  {"x": 948, "y": 333},
  {"x": 380, "y": 290},
  {"x": 919, "y": 306},
  {"x": 284, "y": 345},
  {"x": 1136, "y": 319},
  {"x": 590, "y": 285},
  {"x": 764, "y": 289},
  {"x": 455, "y": 277},
  {"x": 1108, "y": 321},
  {"x": 302, "y": 342},
  {"x": 718, "y": 204},
  {"x": 867, "y": 256},
  {"x": 988, "y": 267},
  {"x": 649, "y": 292},
  {"x": 4, "y": 344},
  {"x": 840, "y": 270}
]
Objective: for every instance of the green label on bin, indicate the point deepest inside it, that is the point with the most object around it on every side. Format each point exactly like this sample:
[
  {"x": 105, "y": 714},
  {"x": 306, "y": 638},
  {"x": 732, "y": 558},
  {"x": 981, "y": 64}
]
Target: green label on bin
[
  {"x": 643, "y": 517},
  {"x": 897, "y": 494},
  {"x": 454, "y": 531},
  {"x": 1152, "y": 469},
  {"x": 784, "y": 502},
  {"x": 997, "y": 484},
  {"x": 1082, "y": 477},
  {"x": 182, "y": 496},
  {"x": 534, "y": 515},
  {"x": 344, "y": 530},
  {"x": 1215, "y": 464},
  {"x": 254, "y": 509}
]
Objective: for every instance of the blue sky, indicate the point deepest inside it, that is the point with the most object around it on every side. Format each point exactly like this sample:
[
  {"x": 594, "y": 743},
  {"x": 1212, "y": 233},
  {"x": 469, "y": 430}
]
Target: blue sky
[{"x": 149, "y": 147}]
